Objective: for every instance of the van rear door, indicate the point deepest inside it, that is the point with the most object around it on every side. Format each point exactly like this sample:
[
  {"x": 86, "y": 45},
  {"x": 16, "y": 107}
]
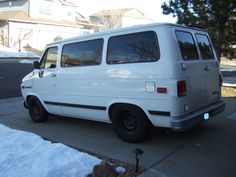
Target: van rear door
[{"x": 200, "y": 69}]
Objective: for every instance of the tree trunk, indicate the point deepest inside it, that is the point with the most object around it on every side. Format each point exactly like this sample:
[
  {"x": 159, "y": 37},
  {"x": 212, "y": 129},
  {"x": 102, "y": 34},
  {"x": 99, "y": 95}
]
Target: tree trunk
[
  {"x": 19, "y": 42},
  {"x": 220, "y": 39}
]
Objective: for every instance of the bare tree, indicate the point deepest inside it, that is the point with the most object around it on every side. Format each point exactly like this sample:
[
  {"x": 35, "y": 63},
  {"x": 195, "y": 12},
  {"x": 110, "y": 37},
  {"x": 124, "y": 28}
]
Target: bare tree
[
  {"x": 109, "y": 19},
  {"x": 57, "y": 38},
  {"x": 23, "y": 35},
  {"x": 112, "y": 21},
  {"x": 3, "y": 38}
]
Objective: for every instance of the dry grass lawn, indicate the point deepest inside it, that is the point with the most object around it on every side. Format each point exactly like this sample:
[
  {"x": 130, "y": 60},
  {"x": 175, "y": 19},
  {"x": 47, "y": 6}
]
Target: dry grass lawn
[
  {"x": 226, "y": 61},
  {"x": 228, "y": 92}
]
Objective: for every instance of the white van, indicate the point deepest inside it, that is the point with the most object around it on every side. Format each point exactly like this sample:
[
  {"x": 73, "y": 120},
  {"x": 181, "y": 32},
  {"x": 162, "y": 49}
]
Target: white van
[{"x": 164, "y": 75}]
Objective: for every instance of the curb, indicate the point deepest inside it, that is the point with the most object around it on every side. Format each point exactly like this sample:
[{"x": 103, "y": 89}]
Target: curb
[{"x": 152, "y": 173}]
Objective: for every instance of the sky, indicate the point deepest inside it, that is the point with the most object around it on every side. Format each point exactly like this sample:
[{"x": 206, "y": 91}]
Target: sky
[{"x": 151, "y": 8}]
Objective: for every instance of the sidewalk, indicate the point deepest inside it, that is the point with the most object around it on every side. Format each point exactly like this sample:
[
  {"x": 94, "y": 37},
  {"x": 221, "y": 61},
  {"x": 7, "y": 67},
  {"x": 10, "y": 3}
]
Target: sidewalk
[{"x": 229, "y": 75}]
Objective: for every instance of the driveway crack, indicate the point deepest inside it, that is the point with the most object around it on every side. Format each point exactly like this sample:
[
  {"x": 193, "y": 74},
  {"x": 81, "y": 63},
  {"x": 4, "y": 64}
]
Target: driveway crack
[{"x": 168, "y": 155}]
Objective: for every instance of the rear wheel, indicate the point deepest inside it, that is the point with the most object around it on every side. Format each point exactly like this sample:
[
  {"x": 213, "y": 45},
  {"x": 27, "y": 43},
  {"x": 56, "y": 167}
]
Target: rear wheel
[
  {"x": 36, "y": 110},
  {"x": 130, "y": 123}
]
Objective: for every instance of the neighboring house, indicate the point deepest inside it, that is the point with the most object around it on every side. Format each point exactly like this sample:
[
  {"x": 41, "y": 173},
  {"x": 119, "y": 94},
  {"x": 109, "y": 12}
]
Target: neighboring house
[
  {"x": 35, "y": 23},
  {"x": 120, "y": 18}
]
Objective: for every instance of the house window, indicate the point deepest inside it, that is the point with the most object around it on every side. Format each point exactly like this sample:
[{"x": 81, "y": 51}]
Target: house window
[
  {"x": 48, "y": 12},
  {"x": 84, "y": 31},
  {"x": 69, "y": 14},
  {"x": 44, "y": 11}
]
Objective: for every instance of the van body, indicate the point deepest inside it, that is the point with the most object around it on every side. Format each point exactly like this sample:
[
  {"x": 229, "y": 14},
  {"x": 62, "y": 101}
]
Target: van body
[{"x": 164, "y": 75}]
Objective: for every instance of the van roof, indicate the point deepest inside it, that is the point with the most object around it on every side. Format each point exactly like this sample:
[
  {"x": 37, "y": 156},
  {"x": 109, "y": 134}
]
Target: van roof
[{"x": 123, "y": 29}]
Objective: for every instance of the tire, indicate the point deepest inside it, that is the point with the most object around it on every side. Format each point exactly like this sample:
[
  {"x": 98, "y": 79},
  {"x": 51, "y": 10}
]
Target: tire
[
  {"x": 36, "y": 110},
  {"x": 130, "y": 123}
]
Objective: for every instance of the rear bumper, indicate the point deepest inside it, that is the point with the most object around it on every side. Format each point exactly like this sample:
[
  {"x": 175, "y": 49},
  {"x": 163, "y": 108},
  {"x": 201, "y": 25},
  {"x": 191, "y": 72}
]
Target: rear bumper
[{"x": 191, "y": 120}]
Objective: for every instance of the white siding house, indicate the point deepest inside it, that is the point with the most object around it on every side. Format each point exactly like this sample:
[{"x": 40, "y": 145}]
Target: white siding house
[
  {"x": 118, "y": 18},
  {"x": 35, "y": 23}
]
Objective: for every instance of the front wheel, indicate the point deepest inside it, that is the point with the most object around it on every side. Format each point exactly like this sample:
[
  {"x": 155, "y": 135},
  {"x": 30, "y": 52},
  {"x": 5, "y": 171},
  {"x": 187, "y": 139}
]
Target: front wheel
[
  {"x": 130, "y": 123},
  {"x": 36, "y": 110}
]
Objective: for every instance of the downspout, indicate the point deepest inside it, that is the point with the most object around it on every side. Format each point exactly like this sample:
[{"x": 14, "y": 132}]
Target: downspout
[
  {"x": 29, "y": 8},
  {"x": 8, "y": 33}
]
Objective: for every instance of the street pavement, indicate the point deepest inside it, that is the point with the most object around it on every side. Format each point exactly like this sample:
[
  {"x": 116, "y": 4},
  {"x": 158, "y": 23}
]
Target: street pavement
[
  {"x": 206, "y": 151},
  {"x": 11, "y": 74}
]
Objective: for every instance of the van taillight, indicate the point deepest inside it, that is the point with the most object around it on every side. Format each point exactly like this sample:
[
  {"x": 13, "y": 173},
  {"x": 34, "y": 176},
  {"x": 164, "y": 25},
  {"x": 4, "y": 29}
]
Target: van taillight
[{"x": 181, "y": 88}]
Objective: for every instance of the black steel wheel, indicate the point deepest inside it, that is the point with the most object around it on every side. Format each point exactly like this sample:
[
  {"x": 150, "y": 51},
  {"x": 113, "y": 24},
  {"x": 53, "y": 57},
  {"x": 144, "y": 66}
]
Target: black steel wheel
[
  {"x": 36, "y": 110},
  {"x": 130, "y": 123}
]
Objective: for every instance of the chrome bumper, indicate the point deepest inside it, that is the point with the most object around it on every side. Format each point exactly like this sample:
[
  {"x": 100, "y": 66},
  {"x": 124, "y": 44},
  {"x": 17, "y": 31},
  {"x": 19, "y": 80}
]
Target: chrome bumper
[{"x": 191, "y": 120}]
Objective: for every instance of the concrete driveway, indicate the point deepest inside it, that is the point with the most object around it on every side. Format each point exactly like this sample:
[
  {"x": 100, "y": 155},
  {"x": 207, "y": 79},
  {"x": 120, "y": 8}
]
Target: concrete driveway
[{"x": 206, "y": 151}]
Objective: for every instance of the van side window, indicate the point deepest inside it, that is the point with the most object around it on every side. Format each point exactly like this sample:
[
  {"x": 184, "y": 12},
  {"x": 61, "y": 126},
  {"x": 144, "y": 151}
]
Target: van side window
[
  {"x": 49, "y": 59},
  {"x": 82, "y": 53},
  {"x": 205, "y": 47},
  {"x": 187, "y": 45},
  {"x": 133, "y": 48}
]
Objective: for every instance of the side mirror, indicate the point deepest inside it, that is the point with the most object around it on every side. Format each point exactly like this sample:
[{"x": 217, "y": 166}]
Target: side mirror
[
  {"x": 52, "y": 66},
  {"x": 36, "y": 65}
]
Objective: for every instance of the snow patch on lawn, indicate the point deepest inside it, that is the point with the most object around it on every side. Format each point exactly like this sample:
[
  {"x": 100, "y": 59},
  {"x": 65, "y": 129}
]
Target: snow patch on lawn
[
  {"x": 228, "y": 70},
  {"x": 228, "y": 84},
  {"x": 26, "y": 61},
  {"x": 17, "y": 55},
  {"x": 6, "y": 49},
  {"x": 27, "y": 154},
  {"x": 6, "y": 52},
  {"x": 120, "y": 170}
]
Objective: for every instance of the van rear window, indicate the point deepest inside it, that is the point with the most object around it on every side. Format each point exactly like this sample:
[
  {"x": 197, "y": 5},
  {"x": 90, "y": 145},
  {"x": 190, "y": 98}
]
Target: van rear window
[
  {"x": 205, "y": 47},
  {"x": 133, "y": 48},
  {"x": 187, "y": 45}
]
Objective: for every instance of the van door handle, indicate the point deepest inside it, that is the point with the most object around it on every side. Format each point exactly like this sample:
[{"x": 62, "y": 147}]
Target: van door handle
[
  {"x": 207, "y": 68},
  {"x": 53, "y": 75},
  {"x": 40, "y": 74}
]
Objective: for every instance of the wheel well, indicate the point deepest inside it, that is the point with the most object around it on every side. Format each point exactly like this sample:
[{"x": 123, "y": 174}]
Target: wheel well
[
  {"x": 116, "y": 104},
  {"x": 28, "y": 97}
]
